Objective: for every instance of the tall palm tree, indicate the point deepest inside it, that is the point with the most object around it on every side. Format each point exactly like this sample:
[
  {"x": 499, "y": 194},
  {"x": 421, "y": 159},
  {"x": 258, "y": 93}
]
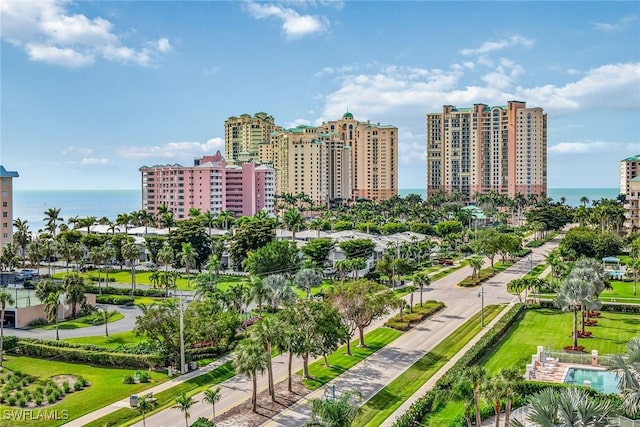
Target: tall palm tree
[
  {"x": 493, "y": 390},
  {"x": 628, "y": 370},
  {"x": 183, "y": 403},
  {"x": 144, "y": 405},
  {"x": 212, "y": 396},
  {"x": 21, "y": 237},
  {"x": 131, "y": 252},
  {"x": 510, "y": 377},
  {"x": 87, "y": 222},
  {"x": 74, "y": 289},
  {"x": 293, "y": 221},
  {"x": 225, "y": 218},
  {"x": 250, "y": 360},
  {"x": 258, "y": 291},
  {"x": 462, "y": 391},
  {"x": 306, "y": 279},
  {"x": 571, "y": 296},
  {"x": 188, "y": 256},
  {"x": 51, "y": 305},
  {"x": 279, "y": 290},
  {"x": 475, "y": 263},
  {"x": 266, "y": 332},
  {"x": 124, "y": 219},
  {"x": 476, "y": 375},
  {"x": 51, "y": 219},
  {"x": 634, "y": 265},
  {"x": 5, "y": 300},
  {"x": 422, "y": 280}
]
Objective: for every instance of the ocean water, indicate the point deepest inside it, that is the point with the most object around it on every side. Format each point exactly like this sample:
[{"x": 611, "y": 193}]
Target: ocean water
[
  {"x": 572, "y": 195},
  {"x": 30, "y": 205}
]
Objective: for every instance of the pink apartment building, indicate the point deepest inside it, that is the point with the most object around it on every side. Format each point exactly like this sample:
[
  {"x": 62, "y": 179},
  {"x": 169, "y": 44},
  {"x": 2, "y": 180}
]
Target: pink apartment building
[
  {"x": 209, "y": 185},
  {"x": 6, "y": 225}
]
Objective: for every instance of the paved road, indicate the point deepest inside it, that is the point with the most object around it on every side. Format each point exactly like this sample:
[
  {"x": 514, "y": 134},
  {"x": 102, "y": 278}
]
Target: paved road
[
  {"x": 371, "y": 375},
  {"x": 122, "y": 325},
  {"x": 375, "y": 372}
]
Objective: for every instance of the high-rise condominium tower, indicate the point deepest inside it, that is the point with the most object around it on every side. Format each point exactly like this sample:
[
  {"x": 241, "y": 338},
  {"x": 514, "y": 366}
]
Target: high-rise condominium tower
[
  {"x": 481, "y": 149},
  {"x": 629, "y": 169},
  {"x": 244, "y": 134},
  {"x": 309, "y": 160},
  {"x": 6, "y": 221},
  {"x": 374, "y": 151}
]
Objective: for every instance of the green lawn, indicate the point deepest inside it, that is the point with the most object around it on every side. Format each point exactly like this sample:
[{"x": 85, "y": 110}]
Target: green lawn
[
  {"x": 387, "y": 400},
  {"x": 106, "y": 385},
  {"x": 112, "y": 341},
  {"x": 621, "y": 292},
  {"x": 94, "y": 319},
  {"x": 552, "y": 327},
  {"x": 339, "y": 362},
  {"x": 165, "y": 399},
  {"x": 442, "y": 273}
]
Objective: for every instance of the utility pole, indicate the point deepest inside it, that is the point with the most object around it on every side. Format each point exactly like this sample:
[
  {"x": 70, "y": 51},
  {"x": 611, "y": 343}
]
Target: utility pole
[{"x": 481, "y": 295}]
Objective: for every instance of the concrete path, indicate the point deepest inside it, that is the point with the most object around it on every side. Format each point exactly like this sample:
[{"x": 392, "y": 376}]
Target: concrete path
[{"x": 124, "y": 403}]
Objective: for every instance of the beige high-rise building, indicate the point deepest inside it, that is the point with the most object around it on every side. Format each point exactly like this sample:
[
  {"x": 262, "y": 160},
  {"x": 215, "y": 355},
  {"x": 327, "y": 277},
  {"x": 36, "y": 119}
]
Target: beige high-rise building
[
  {"x": 481, "y": 149},
  {"x": 629, "y": 169},
  {"x": 309, "y": 160},
  {"x": 374, "y": 155},
  {"x": 244, "y": 134},
  {"x": 6, "y": 221}
]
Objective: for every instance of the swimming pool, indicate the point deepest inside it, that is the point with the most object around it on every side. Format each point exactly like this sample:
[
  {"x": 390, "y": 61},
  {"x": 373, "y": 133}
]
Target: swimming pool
[{"x": 603, "y": 381}]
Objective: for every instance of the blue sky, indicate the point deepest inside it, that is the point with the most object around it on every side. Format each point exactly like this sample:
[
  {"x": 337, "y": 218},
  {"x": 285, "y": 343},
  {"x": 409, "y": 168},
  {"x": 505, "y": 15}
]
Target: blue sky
[{"x": 93, "y": 90}]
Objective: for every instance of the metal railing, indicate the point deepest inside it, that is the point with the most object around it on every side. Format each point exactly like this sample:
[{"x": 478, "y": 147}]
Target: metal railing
[{"x": 579, "y": 358}]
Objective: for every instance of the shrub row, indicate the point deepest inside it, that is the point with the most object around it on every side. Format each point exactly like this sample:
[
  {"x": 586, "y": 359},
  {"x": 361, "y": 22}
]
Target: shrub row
[
  {"x": 110, "y": 290},
  {"x": 484, "y": 275},
  {"x": 418, "y": 315},
  {"x": 63, "y": 344},
  {"x": 535, "y": 243},
  {"x": 114, "y": 299},
  {"x": 78, "y": 355},
  {"x": 616, "y": 308},
  {"x": 423, "y": 406},
  {"x": 9, "y": 343}
]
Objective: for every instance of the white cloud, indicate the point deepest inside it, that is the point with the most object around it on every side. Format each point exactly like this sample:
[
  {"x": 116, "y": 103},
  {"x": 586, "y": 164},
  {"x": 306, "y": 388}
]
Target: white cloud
[
  {"x": 492, "y": 46},
  {"x": 48, "y": 32},
  {"x": 294, "y": 25},
  {"x": 620, "y": 25},
  {"x": 297, "y": 122},
  {"x": 94, "y": 161},
  {"x": 85, "y": 151},
  {"x": 180, "y": 150},
  {"x": 66, "y": 57},
  {"x": 593, "y": 147}
]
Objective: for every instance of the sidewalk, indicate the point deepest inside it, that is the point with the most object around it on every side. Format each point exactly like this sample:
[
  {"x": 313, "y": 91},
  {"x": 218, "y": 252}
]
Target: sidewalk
[{"x": 124, "y": 403}]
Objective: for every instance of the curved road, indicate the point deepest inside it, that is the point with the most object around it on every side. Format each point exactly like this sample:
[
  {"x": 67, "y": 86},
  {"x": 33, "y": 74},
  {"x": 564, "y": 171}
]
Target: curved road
[{"x": 122, "y": 325}]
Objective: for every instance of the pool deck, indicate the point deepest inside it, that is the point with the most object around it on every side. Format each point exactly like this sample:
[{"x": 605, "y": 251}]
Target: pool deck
[{"x": 554, "y": 372}]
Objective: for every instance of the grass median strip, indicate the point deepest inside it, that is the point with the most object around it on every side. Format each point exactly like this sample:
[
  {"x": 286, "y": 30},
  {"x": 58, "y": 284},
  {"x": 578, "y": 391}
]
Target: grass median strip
[
  {"x": 339, "y": 362},
  {"x": 439, "y": 275},
  {"x": 165, "y": 399},
  {"x": 387, "y": 400}
]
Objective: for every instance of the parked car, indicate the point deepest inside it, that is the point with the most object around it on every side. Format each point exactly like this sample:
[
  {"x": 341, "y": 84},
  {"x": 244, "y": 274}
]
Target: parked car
[{"x": 445, "y": 261}]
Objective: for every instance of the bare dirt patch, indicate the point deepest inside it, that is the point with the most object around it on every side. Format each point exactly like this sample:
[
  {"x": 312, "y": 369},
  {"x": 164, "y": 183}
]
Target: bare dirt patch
[
  {"x": 60, "y": 379},
  {"x": 243, "y": 415}
]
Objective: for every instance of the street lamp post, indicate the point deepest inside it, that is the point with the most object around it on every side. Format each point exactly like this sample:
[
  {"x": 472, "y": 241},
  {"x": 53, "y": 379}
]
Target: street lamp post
[{"x": 481, "y": 295}]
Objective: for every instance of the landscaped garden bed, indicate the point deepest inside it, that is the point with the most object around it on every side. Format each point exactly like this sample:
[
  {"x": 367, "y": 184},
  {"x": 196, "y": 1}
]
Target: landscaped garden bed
[{"x": 414, "y": 315}]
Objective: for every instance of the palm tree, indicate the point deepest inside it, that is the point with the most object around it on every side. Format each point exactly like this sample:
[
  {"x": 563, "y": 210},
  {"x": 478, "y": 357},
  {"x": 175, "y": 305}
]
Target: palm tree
[
  {"x": 493, "y": 390},
  {"x": 74, "y": 289},
  {"x": 212, "y": 396},
  {"x": 144, "y": 405},
  {"x": 52, "y": 217},
  {"x": 5, "y": 300},
  {"x": 251, "y": 359},
  {"x": 462, "y": 391},
  {"x": 279, "y": 290},
  {"x": 293, "y": 221},
  {"x": 584, "y": 200},
  {"x": 634, "y": 265},
  {"x": 51, "y": 304},
  {"x": 124, "y": 219},
  {"x": 510, "y": 377},
  {"x": 258, "y": 291},
  {"x": 476, "y": 375},
  {"x": 628, "y": 370},
  {"x": 226, "y": 218},
  {"x": 422, "y": 280},
  {"x": 165, "y": 257},
  {"x": 188, "y": 256},
  {"x": 183, "y": 403},
  {"x": 306, "y": 279},
  {"x": 266, "y": 332},
  {"x": 105, "y": 313},
  {"x": 476, "y": 264},
  {"x": 571, "y": 295},
  {"x": 167, "y": 220},
  {"x": 22, "y": 237},
  {"x": 568, "y": 407},
  {"x": 131, "y": 252},
  {"x": 87, "y": 222},
  {"x": 340, "y": 411}
]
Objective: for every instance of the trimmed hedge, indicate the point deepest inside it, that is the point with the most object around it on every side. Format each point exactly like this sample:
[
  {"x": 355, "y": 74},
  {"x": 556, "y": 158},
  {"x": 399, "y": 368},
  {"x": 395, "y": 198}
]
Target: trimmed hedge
[
  {"x": 418, "y": 315},
  {"x": 66, "y": 353},
  {"x": 110, "y": 290},
  {"x": 421, "y": 407},
  {"x": 616, "y": 308},
  {"x": 9, "y": 343},
  {"x": 114, "y": 299}
]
